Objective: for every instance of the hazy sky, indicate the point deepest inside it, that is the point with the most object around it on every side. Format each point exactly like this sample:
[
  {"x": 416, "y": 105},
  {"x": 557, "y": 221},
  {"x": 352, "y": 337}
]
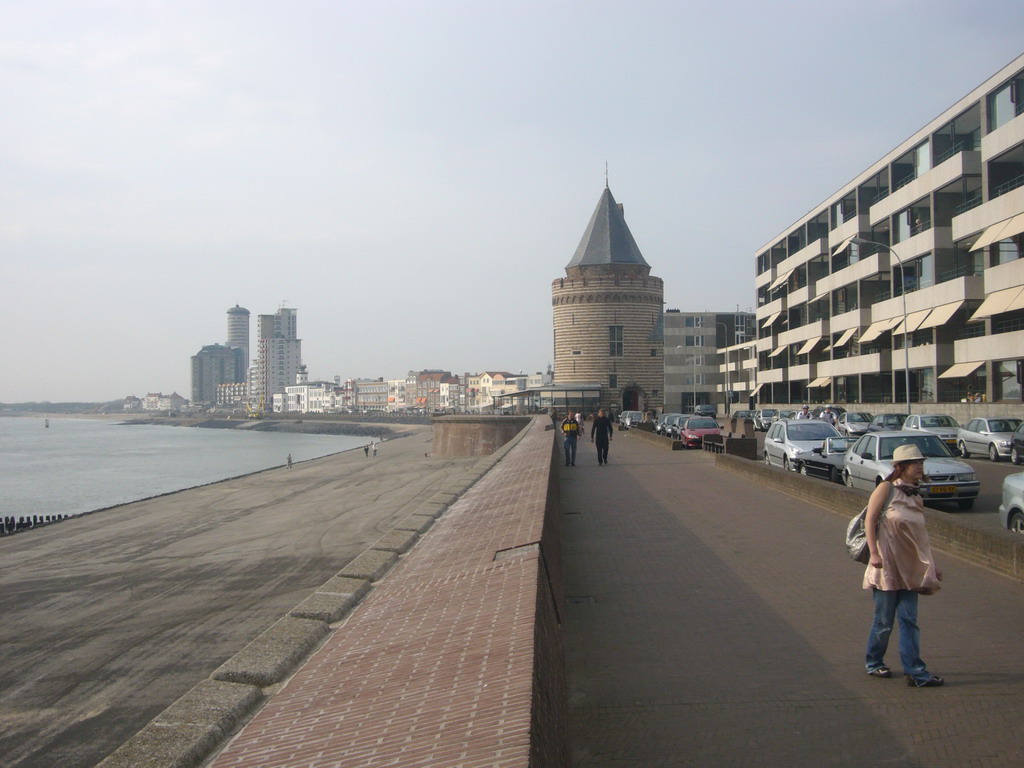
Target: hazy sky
[{"x": 411, "y": 176}]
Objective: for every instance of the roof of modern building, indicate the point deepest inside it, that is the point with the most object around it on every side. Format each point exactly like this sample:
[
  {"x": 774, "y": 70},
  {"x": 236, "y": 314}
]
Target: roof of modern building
[{"x": 607, "y": 239}]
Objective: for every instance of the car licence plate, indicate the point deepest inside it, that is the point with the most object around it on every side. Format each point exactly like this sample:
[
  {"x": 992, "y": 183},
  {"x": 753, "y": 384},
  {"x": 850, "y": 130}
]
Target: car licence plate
[{"x": 937, "y": 489}]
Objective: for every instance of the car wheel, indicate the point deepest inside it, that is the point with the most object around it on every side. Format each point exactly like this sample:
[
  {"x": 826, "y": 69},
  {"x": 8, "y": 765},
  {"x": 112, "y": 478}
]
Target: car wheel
[
  {"x": 1017, "y": 522},
  {"x": 849, "y": 479},
  {"x": 767, "y": 461},
  {"x": 963, "y": 450},
  {"x": 802, "y": 469},
  {"x": 965, "y": 503},
  {"x": 1015, "y": 456},
  {"x": 993, "y": 452},
  {"x": 834, "y": 475},
  {"x": 785, "y": 463}
]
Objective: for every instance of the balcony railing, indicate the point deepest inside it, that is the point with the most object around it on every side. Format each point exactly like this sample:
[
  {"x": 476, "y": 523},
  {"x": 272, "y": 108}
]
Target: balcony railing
[
  {"x": 967, "y": 205},
  {"x": 964, "y": 145},
  {"x": 1006, "y": 186},
  {"x": 953, "y": 274},
  {"x": 1008, "y": 326}
]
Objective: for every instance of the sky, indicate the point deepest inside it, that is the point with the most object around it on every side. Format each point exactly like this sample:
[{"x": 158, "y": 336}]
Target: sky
[{"x": 411, "y": 176}]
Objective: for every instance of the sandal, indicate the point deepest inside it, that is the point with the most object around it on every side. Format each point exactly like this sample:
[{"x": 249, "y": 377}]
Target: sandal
[
  {"x": 882, "y": 671},
  {"x": 932, "y": 681}
]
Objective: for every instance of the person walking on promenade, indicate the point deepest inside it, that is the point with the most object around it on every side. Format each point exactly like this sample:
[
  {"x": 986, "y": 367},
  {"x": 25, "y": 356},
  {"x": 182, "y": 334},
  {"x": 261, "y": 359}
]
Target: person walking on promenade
[
  {"x": 579, "y": 420},
  {"x": 366, "y": 451},
  {"x": 570, "y": 433},
  {"x": 601, "y": 433},
  {"x": 374, "y": 448},
  {"x": 901, "y": 567},
  {"x": 289, "y": 461}
]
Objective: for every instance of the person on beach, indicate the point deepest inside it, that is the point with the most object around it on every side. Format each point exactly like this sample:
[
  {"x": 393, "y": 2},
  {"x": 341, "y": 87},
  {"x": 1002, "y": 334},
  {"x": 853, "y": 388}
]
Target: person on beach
[
  {"x": 601, "y": 433},
  {"x": 901, "y": 567},
  {"x": 374, "y": 448},
  {"x": 366, "y": 451},
  {"x": 570, "y": 434},
  {"x": 289, "y": 461}
]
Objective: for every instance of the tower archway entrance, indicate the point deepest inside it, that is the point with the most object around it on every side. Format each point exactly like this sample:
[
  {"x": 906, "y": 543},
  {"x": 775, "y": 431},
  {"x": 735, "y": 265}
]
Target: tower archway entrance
[{"x": 631, "y": 400}]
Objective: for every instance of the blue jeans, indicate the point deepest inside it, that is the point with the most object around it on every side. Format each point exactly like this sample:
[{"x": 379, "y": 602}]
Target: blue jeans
[
  {"x": 570, "y": 449},
  {"x": 901, "y": 604}
]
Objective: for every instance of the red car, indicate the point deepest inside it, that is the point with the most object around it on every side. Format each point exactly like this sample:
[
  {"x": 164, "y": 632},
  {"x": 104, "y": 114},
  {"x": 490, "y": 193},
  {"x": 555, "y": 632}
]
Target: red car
[{"x": 692, "y": 431}]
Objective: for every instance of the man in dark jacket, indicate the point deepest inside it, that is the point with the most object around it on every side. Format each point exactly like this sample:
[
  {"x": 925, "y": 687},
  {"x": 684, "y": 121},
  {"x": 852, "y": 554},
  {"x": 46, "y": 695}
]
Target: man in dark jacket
[{"x": 601, "y": 433}]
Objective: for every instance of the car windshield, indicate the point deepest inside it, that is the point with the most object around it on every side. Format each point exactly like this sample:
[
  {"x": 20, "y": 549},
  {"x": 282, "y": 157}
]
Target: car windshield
[
  {"x": 812, "y": 430},
  {"x": 854, "y": 416},
  {"x": 1003, "y": 425},
  {"x": 768, "y": 412},
  {"x": 838, "y": 444},
  {"x": 890, "y": 420},
  {"x": 701, "y": 424},
  {"x": 932, "y": 422},
  {"x": 929, "y": 445}
]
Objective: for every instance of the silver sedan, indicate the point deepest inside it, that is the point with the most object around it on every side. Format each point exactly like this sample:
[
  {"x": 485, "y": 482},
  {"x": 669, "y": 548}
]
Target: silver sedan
[{"x": 991, "y": 436}]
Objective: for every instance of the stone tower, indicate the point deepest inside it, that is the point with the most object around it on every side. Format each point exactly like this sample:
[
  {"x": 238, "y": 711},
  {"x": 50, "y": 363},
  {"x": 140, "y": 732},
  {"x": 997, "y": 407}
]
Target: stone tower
[{"x": 608, "y": 315}]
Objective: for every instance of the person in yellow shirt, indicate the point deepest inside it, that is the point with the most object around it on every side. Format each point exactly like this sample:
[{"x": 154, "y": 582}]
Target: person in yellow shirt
[{"x": 570, "y": 436}]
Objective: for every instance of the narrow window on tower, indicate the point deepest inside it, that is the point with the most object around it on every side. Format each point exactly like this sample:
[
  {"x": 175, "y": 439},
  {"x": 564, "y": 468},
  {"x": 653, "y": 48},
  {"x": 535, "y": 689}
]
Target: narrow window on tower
[
  {"x": 615, "y": 341},
  {"x": 613, "y": 380}
]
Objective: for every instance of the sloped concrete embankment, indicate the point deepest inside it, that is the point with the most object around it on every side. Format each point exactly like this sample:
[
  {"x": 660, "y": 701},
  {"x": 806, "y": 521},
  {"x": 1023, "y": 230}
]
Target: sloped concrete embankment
[
  {"x": 999, "y": 550},
  {"x": 447, "y": 652}
]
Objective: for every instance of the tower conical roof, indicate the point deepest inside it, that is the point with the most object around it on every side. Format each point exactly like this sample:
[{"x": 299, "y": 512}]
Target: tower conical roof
[{"x": 607, "y": 239}]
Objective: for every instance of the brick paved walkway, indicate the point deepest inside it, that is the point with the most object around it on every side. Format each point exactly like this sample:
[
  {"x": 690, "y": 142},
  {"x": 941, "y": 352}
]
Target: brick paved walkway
[{"x": 714, "y": 623}]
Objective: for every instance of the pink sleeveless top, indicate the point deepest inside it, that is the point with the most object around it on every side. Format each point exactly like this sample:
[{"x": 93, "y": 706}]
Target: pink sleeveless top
[{"x": 907, "y": 561}]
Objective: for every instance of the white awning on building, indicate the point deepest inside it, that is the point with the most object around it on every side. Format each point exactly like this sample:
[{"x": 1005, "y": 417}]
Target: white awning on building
[
  {"x": 940, "y": 315},
  {"x": 912, "y": 321},
  {"x": 770, "y": 320},
  {"x": 756, "y": 389},
  {"x": 1000, "y": 231},
  {"x": 824, "y": 381},
  {"x": 996, "y": 302},
  {"x": 809, "y": 345},
  {"x": 877, "y": 329},
  {"x": 845, "y": 338},
  {"x": 780, "y": 280},
  {"x": 960, "y": 370},
  {"x": 778, "y": 351}
]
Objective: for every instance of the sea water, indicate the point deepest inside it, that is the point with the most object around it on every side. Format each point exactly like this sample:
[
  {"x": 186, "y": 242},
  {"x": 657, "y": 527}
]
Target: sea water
[{"x": 78, "y": 465}]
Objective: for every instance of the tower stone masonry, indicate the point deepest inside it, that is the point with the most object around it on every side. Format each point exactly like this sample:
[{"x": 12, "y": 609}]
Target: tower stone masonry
[{"x": 608, "y": 316}]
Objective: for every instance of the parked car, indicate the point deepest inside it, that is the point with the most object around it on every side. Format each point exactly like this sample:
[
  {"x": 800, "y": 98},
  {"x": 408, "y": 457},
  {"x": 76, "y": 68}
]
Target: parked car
[
  {"x": 827, "y": 459},
  {"x": 992, "y": 436},
  {"x": 1017, "y": 446},
  {"x": 763, "y": 418},
  {"x": 740, "y": 415},
  {"x": 869, "y": 461},
  {"x": 854, "y": 423},
  {"x": 673, "y": 423},
  {"x": 1011, "y": 510},
  {"x": 939, "y": 424},
  {"x": 887, "y": 421},
  {"x": 707, "y": 409},
  {"x": 630, "y": 418},
  {"x": 693, "y": 430},
  {"x": 788, "y": 443},
  {"x": 661, "y": 427}
]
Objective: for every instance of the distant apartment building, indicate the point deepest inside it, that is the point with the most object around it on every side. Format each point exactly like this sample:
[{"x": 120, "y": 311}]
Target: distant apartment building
[
  {"x": 436, "y": 390},
  {"x": 695, "y": 359},
  {"x": 238, "y": 332},
  {"x": 397, "y": 396},
  {"x": 481, "y": 388},
  {"x": 132, "y": 403},
  {"x": 157, "y": 401},
  {"x": 912, "y": 270},
  {"x": 213, "y": 365},
  {"x": 233, "y": 395},
  {"x": 371, "y": 395},
  {"x": 279, "y": 356}
]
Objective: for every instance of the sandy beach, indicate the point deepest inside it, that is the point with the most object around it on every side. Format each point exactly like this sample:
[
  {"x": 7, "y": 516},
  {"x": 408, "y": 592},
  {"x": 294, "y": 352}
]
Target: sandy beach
[{"x": 111, "y": 617}]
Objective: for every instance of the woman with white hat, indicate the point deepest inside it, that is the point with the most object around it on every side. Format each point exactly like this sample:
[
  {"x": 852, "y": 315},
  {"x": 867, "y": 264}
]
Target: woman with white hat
[{"x": 901, "y": 567}]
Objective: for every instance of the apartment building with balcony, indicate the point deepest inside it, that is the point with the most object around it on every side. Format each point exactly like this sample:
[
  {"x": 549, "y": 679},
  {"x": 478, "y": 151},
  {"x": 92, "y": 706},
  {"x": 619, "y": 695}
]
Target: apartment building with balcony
[
  {"x": 916, "y": 264},
  {"x": 700, "y": 355}
]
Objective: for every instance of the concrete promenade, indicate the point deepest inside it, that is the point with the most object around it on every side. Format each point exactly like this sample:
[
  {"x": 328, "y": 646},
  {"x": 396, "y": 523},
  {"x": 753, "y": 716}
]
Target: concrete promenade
[
  {"x": 712, "y": 622},
  {"x": 110, "y": 617}
]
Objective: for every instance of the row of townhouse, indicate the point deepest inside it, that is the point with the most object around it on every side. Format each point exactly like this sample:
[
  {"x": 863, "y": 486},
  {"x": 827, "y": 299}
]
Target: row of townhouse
[
  {"x": 427, "y": 391},
  {"x": 906, "y": 285}
]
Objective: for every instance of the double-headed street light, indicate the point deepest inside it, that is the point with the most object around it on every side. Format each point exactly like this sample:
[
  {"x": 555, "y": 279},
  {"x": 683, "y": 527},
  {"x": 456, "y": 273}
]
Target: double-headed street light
[{"x": 903, "y": 294}]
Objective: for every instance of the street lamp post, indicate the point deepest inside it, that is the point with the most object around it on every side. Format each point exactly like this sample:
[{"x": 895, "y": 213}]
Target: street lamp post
[{"x": 903, "y": 295}]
